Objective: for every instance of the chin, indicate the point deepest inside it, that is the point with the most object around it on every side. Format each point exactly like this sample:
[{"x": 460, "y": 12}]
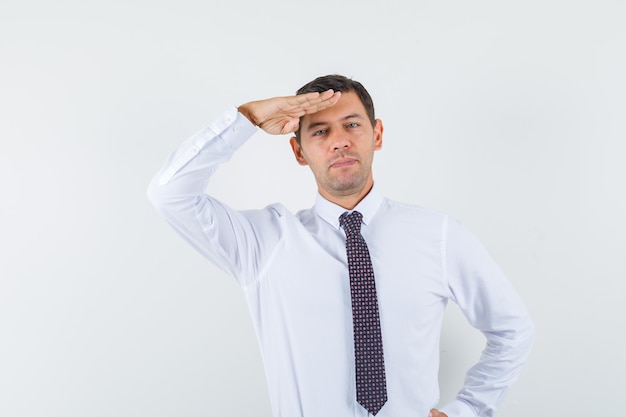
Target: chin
[{"x": 346, "y": 187}]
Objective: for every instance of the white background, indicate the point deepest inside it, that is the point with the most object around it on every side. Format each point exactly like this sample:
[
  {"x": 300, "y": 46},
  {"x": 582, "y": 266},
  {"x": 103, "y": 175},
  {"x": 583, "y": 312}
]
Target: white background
[{"x": 508, "y": 115}]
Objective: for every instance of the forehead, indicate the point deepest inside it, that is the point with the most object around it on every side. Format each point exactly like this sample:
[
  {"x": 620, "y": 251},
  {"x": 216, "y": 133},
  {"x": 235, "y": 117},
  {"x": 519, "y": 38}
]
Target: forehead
[{"x": 349, "y": 104}]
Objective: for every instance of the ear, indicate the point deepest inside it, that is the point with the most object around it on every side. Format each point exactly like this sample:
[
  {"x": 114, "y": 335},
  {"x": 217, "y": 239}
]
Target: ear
[
  {"x": 378, "y": 134},
  {"x": 297, "y": 151}
]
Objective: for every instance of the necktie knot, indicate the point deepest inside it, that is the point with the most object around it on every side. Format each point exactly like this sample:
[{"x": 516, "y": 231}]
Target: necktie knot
[{"x": 351, "y": 222}]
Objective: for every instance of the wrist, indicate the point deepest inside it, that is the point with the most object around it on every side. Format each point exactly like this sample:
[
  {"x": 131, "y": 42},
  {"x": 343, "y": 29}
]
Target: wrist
[{"x": 244, "y": 109}]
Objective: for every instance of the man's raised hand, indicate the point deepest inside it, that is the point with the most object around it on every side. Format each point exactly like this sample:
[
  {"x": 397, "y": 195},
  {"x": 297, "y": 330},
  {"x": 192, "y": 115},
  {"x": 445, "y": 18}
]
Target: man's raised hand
[{"x": 281, "y": 115}]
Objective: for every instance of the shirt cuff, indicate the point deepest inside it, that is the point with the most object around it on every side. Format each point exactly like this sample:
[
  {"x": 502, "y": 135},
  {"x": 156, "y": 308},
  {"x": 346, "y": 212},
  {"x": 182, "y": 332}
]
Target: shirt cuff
[
  {"x": 233, "y": 127},
  {"x": 458, "y": 408},
  {"x": 225, "y": 135}
]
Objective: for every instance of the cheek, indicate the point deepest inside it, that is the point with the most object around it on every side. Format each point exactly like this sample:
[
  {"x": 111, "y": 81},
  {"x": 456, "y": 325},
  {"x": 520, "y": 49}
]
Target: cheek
[{"x": 314, "y": 151}]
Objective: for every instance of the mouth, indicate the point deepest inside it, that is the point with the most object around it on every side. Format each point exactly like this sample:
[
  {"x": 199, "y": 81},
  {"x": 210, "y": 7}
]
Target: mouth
[{"x": 343, "y": 162}]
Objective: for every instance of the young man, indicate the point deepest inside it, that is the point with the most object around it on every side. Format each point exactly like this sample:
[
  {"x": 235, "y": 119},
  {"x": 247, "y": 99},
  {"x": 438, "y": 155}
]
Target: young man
[{"x": 347, "y": 298}]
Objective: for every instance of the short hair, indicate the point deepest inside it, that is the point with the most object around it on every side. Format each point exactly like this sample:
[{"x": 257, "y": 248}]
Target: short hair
[{"x": 338, "y": 83}]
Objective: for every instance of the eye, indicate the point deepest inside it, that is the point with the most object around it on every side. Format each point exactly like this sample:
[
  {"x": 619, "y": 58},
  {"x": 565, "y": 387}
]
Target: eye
[
  {"x": 352, "y": 125},
  {"x": 319, "y": 132}
]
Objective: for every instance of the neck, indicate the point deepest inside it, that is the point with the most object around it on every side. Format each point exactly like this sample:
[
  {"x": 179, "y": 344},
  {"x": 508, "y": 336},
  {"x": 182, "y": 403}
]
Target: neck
[{"x": 348, "y": 200}]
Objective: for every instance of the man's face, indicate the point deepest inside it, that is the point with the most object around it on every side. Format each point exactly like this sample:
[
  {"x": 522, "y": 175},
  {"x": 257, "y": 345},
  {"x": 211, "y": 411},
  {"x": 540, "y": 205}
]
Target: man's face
[{"x": 338, "y": 144}]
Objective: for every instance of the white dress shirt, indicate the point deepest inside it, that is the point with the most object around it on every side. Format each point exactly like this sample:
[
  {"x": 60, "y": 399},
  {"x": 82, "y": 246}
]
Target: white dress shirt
[{"x": 293, "y": 271}]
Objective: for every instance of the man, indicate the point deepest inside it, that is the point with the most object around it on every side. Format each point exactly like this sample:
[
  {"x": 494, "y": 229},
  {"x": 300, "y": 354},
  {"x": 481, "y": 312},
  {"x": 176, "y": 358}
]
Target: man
[{"x": 347, "y": 298}]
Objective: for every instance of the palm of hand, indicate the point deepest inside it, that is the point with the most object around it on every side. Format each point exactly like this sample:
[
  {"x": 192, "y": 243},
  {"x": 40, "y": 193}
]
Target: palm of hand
[
  {"x": 283, "y": 119},
  {"x": 281, "y": 115}
]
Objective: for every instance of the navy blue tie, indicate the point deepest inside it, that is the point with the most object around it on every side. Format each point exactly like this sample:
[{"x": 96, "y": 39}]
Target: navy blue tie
[{"x": 371, "y": 386}]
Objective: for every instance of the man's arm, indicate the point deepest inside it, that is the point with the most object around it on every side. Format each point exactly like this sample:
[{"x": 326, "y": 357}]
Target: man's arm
[
  {"x": 225, "y": 236},
  {"x": 490, "y": 304}
]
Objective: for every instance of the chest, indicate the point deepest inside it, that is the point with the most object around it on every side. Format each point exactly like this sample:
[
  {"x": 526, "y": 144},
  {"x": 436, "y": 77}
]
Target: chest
[{"x": 309, "y": 273}]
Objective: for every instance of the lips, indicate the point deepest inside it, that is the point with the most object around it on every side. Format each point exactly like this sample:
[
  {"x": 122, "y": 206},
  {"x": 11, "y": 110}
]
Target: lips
[{"x": 343, "y": 162}]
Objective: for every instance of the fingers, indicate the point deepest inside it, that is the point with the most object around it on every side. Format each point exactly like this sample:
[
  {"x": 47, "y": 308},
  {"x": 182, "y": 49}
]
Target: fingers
[
  {"x": 313, "y": 97},
  {"x": 281, "y": 115},
  {"x": 332, "y": 99},
  {"x": 436, "y": 413},
  {"x": 291, "y": 126},
  {"x": 314, "y": 102}
]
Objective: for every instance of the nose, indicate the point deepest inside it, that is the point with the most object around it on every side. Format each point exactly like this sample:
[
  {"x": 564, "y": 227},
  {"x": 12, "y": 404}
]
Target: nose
[{"x": 339, "y": 140}]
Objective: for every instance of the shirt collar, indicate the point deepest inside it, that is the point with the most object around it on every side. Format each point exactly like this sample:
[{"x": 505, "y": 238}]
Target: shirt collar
[{"x": 330, "y": 212}]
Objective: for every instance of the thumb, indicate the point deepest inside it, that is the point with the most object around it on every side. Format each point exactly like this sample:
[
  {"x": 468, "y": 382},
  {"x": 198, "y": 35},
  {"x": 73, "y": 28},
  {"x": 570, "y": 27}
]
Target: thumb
[{"x": 292, "y": 125}]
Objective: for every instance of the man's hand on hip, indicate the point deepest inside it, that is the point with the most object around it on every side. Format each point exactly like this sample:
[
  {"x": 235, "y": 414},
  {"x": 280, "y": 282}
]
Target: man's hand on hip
[
  {"x": 281, "y": 115},
  {"x": 436, "y": 413}
]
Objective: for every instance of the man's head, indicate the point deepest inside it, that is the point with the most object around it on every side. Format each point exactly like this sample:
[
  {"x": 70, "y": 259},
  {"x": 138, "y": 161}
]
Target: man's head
[
  {"x": 338, "y": 83},
  {"x": 338, "y": 142}
]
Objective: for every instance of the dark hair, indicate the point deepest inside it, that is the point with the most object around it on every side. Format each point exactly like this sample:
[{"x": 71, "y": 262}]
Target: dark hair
[{"x": 339, "y": 83}]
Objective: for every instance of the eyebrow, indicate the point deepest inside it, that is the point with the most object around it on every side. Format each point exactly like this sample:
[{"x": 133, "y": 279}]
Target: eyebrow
[{"x": 315, "y": 125}]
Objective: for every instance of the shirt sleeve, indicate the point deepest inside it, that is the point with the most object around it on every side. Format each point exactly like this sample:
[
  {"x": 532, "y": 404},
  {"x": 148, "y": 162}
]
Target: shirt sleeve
[
  {"x": 227, "y": 237},
  {"x": 490, "y": 304}
]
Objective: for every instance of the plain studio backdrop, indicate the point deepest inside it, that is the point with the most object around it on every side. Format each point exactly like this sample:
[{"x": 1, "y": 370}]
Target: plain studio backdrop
[{"x": 508, "y": 115}]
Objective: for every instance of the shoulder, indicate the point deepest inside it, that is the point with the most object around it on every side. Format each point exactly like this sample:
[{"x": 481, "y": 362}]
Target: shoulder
[
  {"x": 306, "y": 216},
  {"x": 276, "y": 210},
  {"x": 418, "y": 220},
  {"x": 274, "y": 216},
  {"x": 277, "y": 216},
  {"x": 412, "y": 212},
  {"x": 411, "y": 221}
]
